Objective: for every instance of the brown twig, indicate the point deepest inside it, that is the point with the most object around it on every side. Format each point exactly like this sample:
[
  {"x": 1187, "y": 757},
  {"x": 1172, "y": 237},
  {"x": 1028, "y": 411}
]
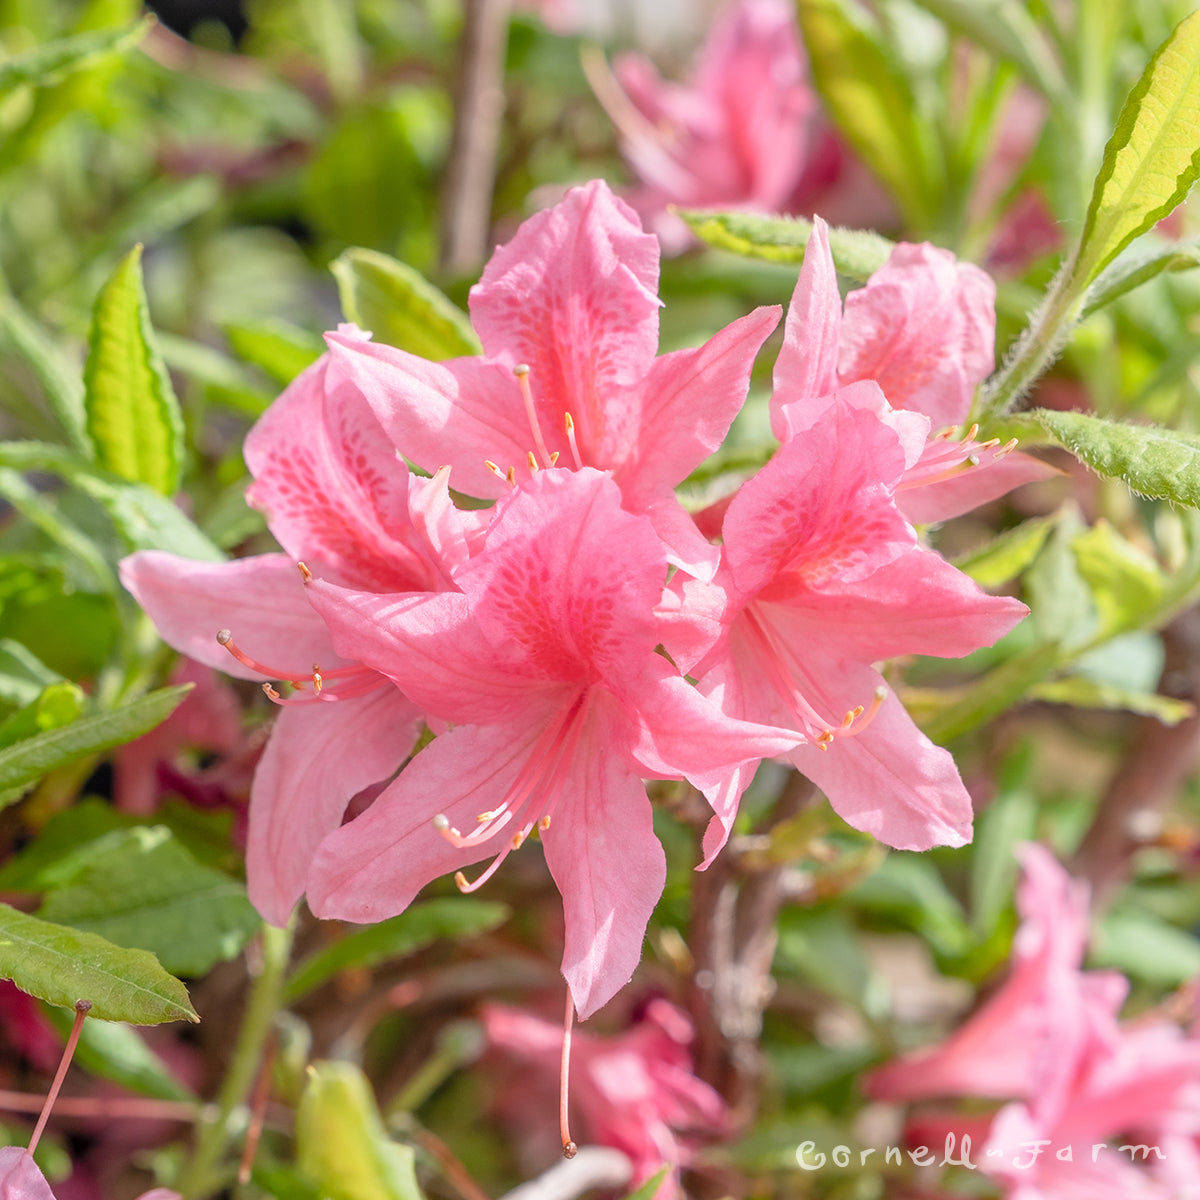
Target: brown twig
[
  {"x": 452, "y": 1168},
  {"x": 733, "y": 940},
  {"x": 134, "y": 1107},
  {"x": 1160, "y": 758},
  {"x": 478, "y": 108}
]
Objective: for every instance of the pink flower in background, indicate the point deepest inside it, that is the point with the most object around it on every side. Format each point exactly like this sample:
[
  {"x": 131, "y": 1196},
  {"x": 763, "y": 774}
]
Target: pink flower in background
[
  {"x": 744, "y": 132},
  {"x": 923, "y": 329},
  {"x": 572, "y": 297},
  {"x": 21, "y": 1179},
  {"x": 209, "y": 719},
  {"x": 634, "y": 1091},
  {"x": 1008, "y": 1047},
  {"x": 336, "y": 497},
  {"x": 821, "y": 576},
  {"x": 546, "y": 666}
]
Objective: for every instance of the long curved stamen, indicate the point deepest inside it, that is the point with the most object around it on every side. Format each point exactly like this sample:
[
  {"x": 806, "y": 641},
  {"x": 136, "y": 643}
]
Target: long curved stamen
[
  {"x": 365, "y": 679},
  {"x": 521, "y": 371},
  {"x": 564, "y": 1076},
  {"x": 546, "y": 761},
  {"x": 82, "y": 1008},
  {"x": 771, "y": 656}
]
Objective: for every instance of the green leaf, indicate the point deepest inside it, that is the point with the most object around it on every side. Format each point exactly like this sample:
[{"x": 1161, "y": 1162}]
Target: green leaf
[
  {"x": 1153, "y": 156},
  {"x": 1146, "y": 947},
  {"x": 649, "y": 1189},
  {"x": 281, "y": 349},
  {"x": 1082, "y": 692},
  {"x": 872, "y": 106},
  {"x": 49, "y": 63},
  {"x": 857, "y": 253},
  {"x": 61, "y": 966},
  {"x": 68, "y": 842},
  {"x": 413, "y": 930},
  {"x": 400, "y": 307},
  {"x": 147, "y": 892},
  {"x": 145, "y": 519},
  {"x": 909, "y": 887},
  {"x": 58, "y": 378},
  {"x": 1005, "y": 557},
  {"x": 133, "y": 417},
  {"x": 1006, "y": 29},
  {"x": 1155, "y": 462},
  {"x": 341, "y": 1142},
  {"x": 23, "y": 676},
  {"x": 27, "y": 761},
  {"x": 119, "y": 1052},
  {"x": 1132, "y": 270},
  {"x": 58, "y": 705},
  {"x": 1127, "y": 585},
  {"x": 997, "y": 691},
  {"x": 1010, "y": 818}
]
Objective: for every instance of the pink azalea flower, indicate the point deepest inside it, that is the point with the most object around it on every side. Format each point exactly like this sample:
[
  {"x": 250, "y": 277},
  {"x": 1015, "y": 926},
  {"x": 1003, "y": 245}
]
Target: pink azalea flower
[
  {"x": 923, "y": 329},
  {"x": 822, "y": 576},
  {"x": 546, "y": 666},
  {"x": 738, "y": 134},
  {"x": 1008, "y": 1047},
  {"x": 337, "y": 497},
  {"x": 21, "y": 1179},
  {"x": 635, "y": 1091},
  {"x": 572, "y": 298}
]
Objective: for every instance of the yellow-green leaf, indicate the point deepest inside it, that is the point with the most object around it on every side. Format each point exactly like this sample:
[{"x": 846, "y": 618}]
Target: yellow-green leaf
[
  {"x": 400, "y": 306},
  {"x": 133, "y": 418},
  {"x": 341, "y": 1142},
  {"x": 857, "y": 253},
  {"x": 873, "y": 106},
  {"x": 1153, "y": 156}
]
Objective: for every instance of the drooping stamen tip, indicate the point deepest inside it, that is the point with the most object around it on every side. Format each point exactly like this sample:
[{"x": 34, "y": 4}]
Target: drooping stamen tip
[
  {"x": 460, "y": 882},
  {"x": 83, "y": 1006},
  {"x": 224, "y": 637},
  {"x": 544, "y": 823},
  {"x": 570, "y": 1149},
  {"x": 305, "y": 573}
]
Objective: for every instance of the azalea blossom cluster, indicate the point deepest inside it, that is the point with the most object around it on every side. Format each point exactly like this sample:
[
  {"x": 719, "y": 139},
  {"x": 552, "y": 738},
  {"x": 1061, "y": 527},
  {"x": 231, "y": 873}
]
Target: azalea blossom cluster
[
  {"x": 1075, "y": 1079},
  {"x": 584, "y": 632}
]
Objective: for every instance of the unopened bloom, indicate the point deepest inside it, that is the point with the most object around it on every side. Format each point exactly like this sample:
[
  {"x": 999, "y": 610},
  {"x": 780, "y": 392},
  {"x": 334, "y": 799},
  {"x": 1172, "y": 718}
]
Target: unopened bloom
[{"x": 923, "y": 328}]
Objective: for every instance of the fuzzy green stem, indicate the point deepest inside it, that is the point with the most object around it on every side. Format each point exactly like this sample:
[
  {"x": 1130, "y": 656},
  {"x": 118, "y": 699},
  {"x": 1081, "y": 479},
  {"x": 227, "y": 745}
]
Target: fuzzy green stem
[
  {"x": 1040, "y": 344},
  {"x": 202, "y": 1175}
]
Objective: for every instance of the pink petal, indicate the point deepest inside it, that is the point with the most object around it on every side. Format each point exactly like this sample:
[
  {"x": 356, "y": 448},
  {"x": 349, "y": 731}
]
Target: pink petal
[
  {"x": 889, "y": 780},
  {"x": 990, "y": 480},
  {"x": 687, "y": 402},
  {"x": 917, "y": 604},
  {"x": 568, "y": 576},
  {"x": 608, "y": 864},
  {"x": 20, "y": 1178},
  {"x": 806, "y": 369},
  {"x": 574, "y": 296},
  {"x": 261, "y": 600},
  {"x": 460, "y": 413},
  {"x": 318, "y": 757},
  {"x": 429, "y": 645},
  {"x": 334, "y": 491},
  {"x": 821, "y": 509},
  {"x": 374, "y": 866},
  {"x": 924, "y": 329},
  {"x": 686, "y": 546}
]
